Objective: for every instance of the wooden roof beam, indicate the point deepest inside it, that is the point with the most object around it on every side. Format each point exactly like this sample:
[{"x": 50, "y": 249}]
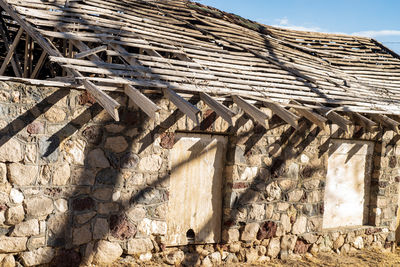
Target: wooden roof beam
[
  {"x": 252, "y": 111},
  {"x": 314, "y": 117},
  {"x": 90, "y": 52},
  {"x": 337, "y": 119},
  {"x": 283, "y": 113},
  {"x": 365, "y": 122},
  {"x": 386, "y": 122},
  {"x": 220, "y": 109},
  {"x": 183, "y": 105},
  {"x": 141, "y": 101},
  {"x": 108, "y": 103}
]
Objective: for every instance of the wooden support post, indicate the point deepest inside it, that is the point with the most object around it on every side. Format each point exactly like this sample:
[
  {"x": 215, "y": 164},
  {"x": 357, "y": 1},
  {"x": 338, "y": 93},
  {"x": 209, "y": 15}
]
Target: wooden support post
[
  {"x": 16, "y": 65},
  {"x": 142, "y": 101},
  {"x": 10, "y": 54},
  {"x": 27, "y": 40},
  {"x": 337, "y": 119},
  {"x": 187, "y": 108},
  {"x": 252, "y": 111},
  {"x": 31, "y": 49},
  {"x": 366, "y": 123},
  {"x": 283, "y": 113},
  {"x": 386, "y": 121},
  {"x": 315, "y": 118},
  {"x": 39, "y": 65},
  {"x": 220, "y": 109},
  {"x": 91, "y": 52}
]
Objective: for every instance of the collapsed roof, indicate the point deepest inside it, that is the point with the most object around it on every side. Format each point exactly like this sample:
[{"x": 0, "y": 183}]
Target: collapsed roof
[{"x": 180, "y": 49}]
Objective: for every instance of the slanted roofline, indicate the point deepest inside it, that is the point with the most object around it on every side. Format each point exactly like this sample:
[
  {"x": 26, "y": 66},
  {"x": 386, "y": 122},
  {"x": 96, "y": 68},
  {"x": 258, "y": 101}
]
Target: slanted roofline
[{"x": 180, "y": 49}]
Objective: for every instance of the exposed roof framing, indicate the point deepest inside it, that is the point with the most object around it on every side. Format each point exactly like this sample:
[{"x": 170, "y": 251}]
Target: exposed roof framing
[{"x": 179, "y": 48}]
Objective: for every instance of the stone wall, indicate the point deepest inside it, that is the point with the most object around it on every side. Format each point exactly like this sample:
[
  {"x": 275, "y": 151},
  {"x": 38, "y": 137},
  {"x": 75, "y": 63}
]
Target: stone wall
[{"x": 78, "y": 187}]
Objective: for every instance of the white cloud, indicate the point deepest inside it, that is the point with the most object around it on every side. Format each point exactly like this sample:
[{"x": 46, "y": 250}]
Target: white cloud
[
  {"x": 299, "y": 28},
  {"x": 373, "y": 34},
  {"x": 284, "y": 21}
]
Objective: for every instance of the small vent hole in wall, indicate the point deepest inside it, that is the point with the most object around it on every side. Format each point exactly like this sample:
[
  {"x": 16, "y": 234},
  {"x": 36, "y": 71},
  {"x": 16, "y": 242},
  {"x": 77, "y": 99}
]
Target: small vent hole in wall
[{"x": 190, "y": 235}]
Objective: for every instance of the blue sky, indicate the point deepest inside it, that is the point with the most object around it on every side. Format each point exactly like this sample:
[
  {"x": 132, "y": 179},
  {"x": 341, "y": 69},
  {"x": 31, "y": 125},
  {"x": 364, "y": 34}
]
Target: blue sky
[{"x": 379, "y": 19}]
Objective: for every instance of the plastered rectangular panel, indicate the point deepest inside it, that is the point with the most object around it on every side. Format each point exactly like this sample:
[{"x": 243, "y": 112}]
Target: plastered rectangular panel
[
  {"x": 195, "y": 200},
  {"x": 347, "y": 184}
]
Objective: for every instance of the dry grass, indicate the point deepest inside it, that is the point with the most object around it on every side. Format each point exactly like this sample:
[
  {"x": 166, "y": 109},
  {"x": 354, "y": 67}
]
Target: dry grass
[{"x": 363, "y": 258}]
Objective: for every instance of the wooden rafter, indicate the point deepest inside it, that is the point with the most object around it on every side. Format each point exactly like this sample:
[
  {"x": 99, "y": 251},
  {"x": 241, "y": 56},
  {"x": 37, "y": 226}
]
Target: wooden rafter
[
  {"x": 283, "y": 113},
  {"x": 314, "y": 117},
  {"x": 91, "y": 52},
  {"x": 365, "y": 122},
  {"x": 386, "y": 122},
  {"x": 251, "y": 110},
  {"x": 142, "y": 101},
  {"x": 220, "y": 109},
  {"x": 337, "y": 119},
  {"x": 183, "y": 105}
]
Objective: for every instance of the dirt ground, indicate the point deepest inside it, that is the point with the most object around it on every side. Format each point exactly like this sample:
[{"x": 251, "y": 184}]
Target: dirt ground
[{"x": 359, "y": 259}]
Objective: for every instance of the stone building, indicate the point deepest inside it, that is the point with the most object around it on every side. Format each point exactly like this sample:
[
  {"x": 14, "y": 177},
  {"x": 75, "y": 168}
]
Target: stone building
[{"x": 170, "y": 131}]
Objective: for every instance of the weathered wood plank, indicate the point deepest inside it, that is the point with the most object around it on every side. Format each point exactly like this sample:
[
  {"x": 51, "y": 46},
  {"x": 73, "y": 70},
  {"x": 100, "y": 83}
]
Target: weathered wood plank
[
  {"x": 103, "y": 99},
  {"x": 183, "y": 105},
  {"x": 386, "y": 122},
  {"x": 221, "y": 110},
  {"x": 141, "y": 101},
  {"x": 337, "y": 119},
  {"x": 283, "y": 113},
  {"x": 315, "y": 118},
  {"x": 91, "y": 52},
  {"x": 259, "y": 116},
  {"x": 365, "y": 122}
]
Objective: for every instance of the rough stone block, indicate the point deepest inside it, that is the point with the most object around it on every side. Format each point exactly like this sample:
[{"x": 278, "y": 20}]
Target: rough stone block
[
  {"x": 27, "y": 228},
  {"x": 274, "y": 248},
  {"x": 49, "y": 148},
  {"x": 3, "y": 173},
  {"x": 82, "y": 235},
  {"x": 16, "y": 196},
  {"x": 97, "y": 159},
  {"x": 62, "y": 174},
  {"x": 257, "y": 212},
  {"x": 230, "y": 235},
  {"x": 250, "y": 232},
  {"x": 21, "y": 174},
  {"x": 100, "y": 228},
  {"x": 15, "y": 215},
  {"x": 12, "y": 244},
  {"x": 39, "y": 206},
  {"x": 106, "y": 252},
  {"x": 300, "y": 225},
  {"x": 10, "y": 150},
  {"x": 116, "y": 144},
  {"x": 150, "y": 163},
  {"x": 37, "y": 257},
  {"x": 138, "y": 246}
]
